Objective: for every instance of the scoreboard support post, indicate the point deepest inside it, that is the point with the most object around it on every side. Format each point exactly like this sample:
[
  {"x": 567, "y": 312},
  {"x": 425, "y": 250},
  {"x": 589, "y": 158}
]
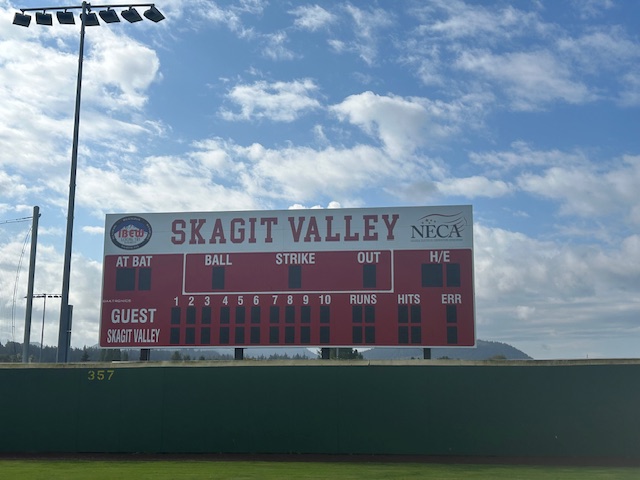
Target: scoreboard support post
[
  {"x": 238, "y": 354},
  {"x": 145, "y": 354},
  {"x": 426, "y": 353}
]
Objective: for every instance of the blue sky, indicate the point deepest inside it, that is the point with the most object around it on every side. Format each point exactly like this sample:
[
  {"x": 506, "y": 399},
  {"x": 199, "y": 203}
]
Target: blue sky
[{"x": 528, "y": 111}]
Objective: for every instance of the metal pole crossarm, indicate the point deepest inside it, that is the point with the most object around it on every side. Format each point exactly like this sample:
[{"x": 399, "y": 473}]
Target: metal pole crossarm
[
  {"x": 88, "y": 6},
  {"x": 88, "y": 18}
]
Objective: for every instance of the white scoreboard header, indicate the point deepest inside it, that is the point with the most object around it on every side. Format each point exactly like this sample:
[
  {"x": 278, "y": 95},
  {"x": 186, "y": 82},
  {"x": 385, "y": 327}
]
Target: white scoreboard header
[{"x": 399, "y": 228}]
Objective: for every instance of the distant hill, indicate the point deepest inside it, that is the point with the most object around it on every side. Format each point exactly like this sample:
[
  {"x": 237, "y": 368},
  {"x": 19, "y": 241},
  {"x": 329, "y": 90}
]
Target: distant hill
[{"x": 483, "y": 351}]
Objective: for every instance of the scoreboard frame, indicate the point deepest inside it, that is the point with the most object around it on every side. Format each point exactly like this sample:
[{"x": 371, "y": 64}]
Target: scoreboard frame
[{"x": 362, "y": 277}]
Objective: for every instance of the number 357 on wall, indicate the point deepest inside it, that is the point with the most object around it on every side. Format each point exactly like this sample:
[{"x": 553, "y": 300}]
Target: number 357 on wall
[{"x": 99, "y": 375}]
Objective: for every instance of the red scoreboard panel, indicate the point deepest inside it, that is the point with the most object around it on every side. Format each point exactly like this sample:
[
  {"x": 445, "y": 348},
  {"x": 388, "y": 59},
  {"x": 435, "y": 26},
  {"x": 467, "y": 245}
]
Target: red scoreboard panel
[{"x": 338, "y": 277}]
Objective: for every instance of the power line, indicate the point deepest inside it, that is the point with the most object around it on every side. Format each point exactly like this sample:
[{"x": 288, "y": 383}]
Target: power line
[
  {"x": 16, "y": 220},
  {"x": 15, "y": 287}
]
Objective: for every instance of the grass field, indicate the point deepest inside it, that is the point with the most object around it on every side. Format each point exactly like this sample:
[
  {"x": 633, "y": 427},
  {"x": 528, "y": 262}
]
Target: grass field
[{"x": 190, "y": 469}]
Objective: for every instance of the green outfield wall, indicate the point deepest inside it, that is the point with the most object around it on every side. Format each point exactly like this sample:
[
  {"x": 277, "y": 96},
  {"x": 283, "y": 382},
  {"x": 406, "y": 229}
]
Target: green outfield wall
[{"x": 535, "y": 409}]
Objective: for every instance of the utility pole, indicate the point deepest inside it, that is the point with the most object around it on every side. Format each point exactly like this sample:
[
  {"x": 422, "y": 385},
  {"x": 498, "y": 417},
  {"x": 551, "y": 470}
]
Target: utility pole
[{"x": 32, "y": 274}]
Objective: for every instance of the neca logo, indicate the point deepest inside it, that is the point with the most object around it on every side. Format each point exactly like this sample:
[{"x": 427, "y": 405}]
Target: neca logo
[{"x": 439, "y": 226}]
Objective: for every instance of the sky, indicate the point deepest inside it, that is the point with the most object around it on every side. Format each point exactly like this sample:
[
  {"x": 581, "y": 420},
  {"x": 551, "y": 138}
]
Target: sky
[{"x": 528, "y": 111}]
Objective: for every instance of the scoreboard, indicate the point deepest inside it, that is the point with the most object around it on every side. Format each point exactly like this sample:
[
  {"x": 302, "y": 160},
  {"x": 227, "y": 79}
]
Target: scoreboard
[{"x": 398, "y": 276}]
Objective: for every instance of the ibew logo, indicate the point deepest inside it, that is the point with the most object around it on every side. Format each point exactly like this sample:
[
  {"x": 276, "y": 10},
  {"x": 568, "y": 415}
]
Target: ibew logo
[
  {"x": 131, "y": 232},
  {"x": 438, "y": 226}
]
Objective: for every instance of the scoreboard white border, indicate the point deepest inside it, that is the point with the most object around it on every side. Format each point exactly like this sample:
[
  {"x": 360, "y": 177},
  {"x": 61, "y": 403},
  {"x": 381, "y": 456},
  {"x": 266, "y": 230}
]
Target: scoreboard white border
[{"x": 149, "y": 247}]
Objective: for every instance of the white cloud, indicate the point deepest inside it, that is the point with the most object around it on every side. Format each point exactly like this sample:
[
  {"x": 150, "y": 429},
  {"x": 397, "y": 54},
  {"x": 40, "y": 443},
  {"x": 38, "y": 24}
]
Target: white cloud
[
  {"x": 219, "y": 175},
  {"x": 512, "y": 266},
  {"x": 312, "y": 17},
  {"x": 298, "y": 206},
  {"x": 533, "y": 60},
  {"x": 366, "y": 28},
  {"x": 601, "y": 50},
  {"x": 304, "y": 173},
  {"x": 160, "y": 184},
  {"x": 587, "y": 9},
  {"x": 591, "y": 190},
  {"x": 278, "y": 101},
  {"x": 399, "y": 123},
  {"x": 630, "y": 92},
  {"x": 531, "y": 80},
  {"x": 93, "y": 230},
  {"x": 337, "y": 45},
  {"x": 13, "y": 186},
  {"x": 448, "y": 27},
  {"x": 86, "y": 282},
  {"x": 38, "y": 83},
  {"x": 483, "y": 23},
  {"x": 275, "y": 46},
  {"x": 405, "y": 124},
  {"x": 532, "y": 288},
  {"x": 32, "y": 78},
  {"x": 231, "y": 16},
  {"x": 118, "y": 71},
  {"x": 523, "y": 156},
  {"x": 472, "y": 187}
]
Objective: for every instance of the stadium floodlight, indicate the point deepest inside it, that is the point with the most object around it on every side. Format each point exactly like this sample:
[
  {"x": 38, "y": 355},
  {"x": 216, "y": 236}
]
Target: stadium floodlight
[
  {"x": 44, "y": 18},
  {"x": 87, "y": 18},
  {"x": 22, "y": 19},
  {"x": 154, "y": 14},
  {"x": 109, "y": 16},
  {"x": 91, "y": 19},
  {"x": 131, "y": 15},
  {"x": 65, "y": 18}
]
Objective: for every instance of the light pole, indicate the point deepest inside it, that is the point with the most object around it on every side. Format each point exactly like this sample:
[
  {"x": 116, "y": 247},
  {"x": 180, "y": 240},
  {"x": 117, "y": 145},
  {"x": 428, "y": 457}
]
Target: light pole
[
  {"x": 44, "y": 297},
  {"x": 87, "y": 18}
]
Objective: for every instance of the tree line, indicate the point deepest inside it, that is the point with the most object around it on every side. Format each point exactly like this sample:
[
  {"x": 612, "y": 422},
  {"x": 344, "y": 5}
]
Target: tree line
[{"x": 11, "y": 352}]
